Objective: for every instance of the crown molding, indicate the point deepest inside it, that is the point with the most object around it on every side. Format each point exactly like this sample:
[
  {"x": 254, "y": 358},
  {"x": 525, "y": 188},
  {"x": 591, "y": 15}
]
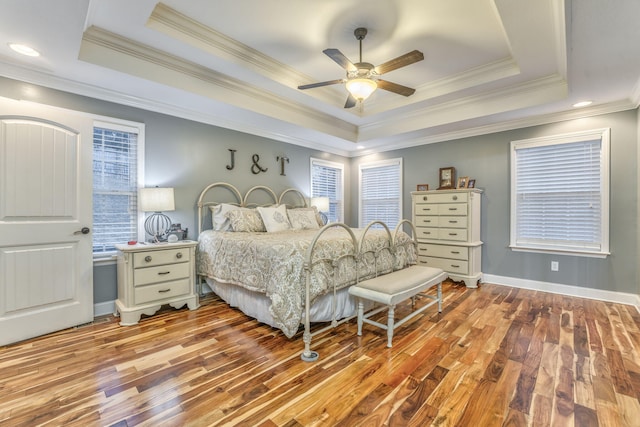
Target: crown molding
[{"x": 106, "y": 49}]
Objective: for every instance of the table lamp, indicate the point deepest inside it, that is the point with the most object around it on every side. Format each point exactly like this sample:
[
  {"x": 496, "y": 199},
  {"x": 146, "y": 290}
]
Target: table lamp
[{"x": 157, "y": 200}]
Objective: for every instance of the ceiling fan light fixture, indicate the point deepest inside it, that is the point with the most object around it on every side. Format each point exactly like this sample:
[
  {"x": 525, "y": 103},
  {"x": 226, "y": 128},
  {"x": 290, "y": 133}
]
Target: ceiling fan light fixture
[{"x": 361, "y": 88}]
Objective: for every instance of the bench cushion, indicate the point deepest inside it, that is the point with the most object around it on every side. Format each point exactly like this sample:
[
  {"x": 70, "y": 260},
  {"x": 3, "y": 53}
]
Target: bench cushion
[{"x": 395, "y": 287}]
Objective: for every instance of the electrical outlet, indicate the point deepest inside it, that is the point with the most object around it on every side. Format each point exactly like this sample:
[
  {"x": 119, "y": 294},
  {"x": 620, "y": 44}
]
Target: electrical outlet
[{"x": 554, "y": 265}]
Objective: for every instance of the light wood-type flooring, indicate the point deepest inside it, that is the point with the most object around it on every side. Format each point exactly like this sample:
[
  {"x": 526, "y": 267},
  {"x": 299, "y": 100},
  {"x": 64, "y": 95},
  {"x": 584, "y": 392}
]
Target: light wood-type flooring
[{"x": 495, "y": 356}]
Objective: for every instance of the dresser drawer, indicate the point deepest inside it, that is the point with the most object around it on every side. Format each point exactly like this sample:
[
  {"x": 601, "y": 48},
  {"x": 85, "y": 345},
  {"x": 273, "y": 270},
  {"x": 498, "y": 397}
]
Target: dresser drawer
[
  {"x": 426, "y": 209},
  {"x": 448, "y": 265},
  {"x": 426, "y": 233},
  {"x": 452, "y": 209},
  {"x": 151, "y": 258},
  {"x": 443, "y": 251},
  {"x": 143, "y": 294},
  {"x": 442, "y": 198},
  {"x": 452, "y": 221},
  {"x": 427, "y": 221},
  {"x": 456, "y": 234},
  {"x": 161, "y": 273}
]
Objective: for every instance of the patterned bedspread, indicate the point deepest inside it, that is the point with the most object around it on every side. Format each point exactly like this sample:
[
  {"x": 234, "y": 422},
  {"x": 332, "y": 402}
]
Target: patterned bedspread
[{"x": 272, "y": 263}]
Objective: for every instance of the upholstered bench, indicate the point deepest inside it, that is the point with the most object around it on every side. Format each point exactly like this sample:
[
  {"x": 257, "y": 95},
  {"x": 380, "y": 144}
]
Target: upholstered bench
[{"x": 393, "y": 288}]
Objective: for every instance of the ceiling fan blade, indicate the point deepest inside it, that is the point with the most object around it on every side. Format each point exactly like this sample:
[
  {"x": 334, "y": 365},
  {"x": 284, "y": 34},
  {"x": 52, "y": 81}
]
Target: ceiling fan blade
[
  {"x": 400, "y": 61},
  {"x": 320, "y": 84},
  {"x": 395, "y": 88},
  {"x": 340, "y": 59},
  {"x": 351, "y": 102}
]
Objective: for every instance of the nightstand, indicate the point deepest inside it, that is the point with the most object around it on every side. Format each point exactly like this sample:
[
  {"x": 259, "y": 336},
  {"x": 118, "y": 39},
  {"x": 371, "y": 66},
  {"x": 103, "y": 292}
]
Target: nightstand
[{"x": 153, "y": 274}]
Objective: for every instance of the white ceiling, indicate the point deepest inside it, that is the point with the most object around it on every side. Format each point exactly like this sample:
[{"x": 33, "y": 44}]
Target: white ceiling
[{"x": 489, "y": 64}]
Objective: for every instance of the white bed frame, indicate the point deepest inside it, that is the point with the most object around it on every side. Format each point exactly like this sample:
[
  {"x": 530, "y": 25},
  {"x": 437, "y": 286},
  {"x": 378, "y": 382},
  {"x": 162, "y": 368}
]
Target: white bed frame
[{"x": 311, "y": 260}]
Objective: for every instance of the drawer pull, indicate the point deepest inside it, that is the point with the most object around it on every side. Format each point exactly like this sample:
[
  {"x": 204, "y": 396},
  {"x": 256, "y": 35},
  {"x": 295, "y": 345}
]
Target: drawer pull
[
  {"x": 455, "y": 252},
  {"x": 147, "y": 258},
  {"x": 453, "y": 222},
  {"x": 455, "y": 197},
  {"x": 162, "y": 291},
  {"x": 162, "y": 273},
  {"x": 423, "y": 250},
  {"x": 453, "y": 234},
  {"x": 455, "y": 266},
  {"x": 424, "y": 198},
  {"x": 179, "y": 255},
  {"x": 453, "y": 209}
]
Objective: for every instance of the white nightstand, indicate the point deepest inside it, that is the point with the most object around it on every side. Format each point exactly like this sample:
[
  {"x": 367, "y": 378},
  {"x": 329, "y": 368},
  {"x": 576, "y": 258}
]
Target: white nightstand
[{"x": 151, "y": 275}]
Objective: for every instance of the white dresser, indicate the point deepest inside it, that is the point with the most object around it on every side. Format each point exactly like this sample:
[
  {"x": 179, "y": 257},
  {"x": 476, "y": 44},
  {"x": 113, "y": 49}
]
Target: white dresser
[
  {"x": 448, "y": 232},
  {"x": 151, "y": 275}
]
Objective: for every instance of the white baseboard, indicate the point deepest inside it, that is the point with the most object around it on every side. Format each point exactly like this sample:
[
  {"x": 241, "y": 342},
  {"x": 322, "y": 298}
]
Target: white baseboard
[
  {"x": 570, "y": 290},
  {"x": 102, "y": 308}
]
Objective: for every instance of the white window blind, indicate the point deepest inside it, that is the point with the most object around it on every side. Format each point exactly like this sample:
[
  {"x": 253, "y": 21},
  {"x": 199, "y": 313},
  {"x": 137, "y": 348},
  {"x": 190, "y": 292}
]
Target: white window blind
[
  {"x": 327, "y": 181},
  {"x": 116, "y": 179},
  {"x": 560, "y": 198},
  {"x": 381, "y": 192}
]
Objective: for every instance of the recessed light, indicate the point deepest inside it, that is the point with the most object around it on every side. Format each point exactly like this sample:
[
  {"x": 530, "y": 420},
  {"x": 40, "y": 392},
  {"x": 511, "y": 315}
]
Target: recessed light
[
  {"x": 24, "y": 49},
  {"x": 582, "y": 104}
]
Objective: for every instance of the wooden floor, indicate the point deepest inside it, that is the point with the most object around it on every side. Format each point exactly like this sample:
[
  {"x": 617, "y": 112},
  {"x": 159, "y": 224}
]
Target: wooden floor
[{"x": 495, "y": 356}]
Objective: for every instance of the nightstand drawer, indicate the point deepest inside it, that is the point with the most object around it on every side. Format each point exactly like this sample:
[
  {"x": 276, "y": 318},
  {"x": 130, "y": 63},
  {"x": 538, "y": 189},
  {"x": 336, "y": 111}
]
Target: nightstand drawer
[
  {"x": 452, "y": 209},
  {"x": 427, "y": 221},
  {"x": 160, "y": 291},
  {"x": 161, "y": 273},
  {"x": 453, "y": 221},
  {"x": 442, "y": 198},
  {"x": 426, "y": 233},
  {"x": 426, "y": 209},
  {"x": 151, "y": 258}
]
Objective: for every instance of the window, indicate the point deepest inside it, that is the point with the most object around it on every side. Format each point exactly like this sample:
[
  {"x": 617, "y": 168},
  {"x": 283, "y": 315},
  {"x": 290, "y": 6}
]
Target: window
[
  {"x": 117, "y": 175},
  {"x": 560, "y": 193},
  {"x": 327, "y": 180},
  {"x": 381, "y": 192}
]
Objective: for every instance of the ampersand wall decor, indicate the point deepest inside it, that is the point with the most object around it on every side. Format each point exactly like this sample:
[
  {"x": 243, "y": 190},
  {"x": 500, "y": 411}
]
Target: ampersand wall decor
[{"x": 255, "y": 167}]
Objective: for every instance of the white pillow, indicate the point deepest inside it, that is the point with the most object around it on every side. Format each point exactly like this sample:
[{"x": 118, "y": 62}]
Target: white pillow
[
  {"x": 303, "y": 218},
  {"x": 219, "y": 219},
  {"x": 275, "y": 218}
]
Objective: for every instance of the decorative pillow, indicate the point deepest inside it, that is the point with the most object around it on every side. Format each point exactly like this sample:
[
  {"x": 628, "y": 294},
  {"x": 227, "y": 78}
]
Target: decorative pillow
[
  {"x": 219, "y": 219},
  {"x": 245, "y": 220},
  {"x": 303, "y": 218},
  {"x": 275, "y": 218}
]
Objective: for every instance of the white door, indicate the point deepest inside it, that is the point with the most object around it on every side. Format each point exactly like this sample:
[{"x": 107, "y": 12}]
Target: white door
[{"x": 46, "y": 266}]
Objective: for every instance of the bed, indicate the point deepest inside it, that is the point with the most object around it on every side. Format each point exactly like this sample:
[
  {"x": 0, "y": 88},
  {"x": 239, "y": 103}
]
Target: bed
[{"x": 275, "y": 275}]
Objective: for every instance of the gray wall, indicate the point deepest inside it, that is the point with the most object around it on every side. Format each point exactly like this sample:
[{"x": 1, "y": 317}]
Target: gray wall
[
  {"x": 486, "y": 158},
  {"x": 189, "y": 155}
]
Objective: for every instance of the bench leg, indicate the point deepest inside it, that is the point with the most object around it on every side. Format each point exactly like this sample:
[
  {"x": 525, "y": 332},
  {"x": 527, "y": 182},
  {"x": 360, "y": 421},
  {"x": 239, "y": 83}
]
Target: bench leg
[
  {"x": 360, "y": 315},
  {"x": 440, "y": 297},
  {"x": 390, "y": 321}
]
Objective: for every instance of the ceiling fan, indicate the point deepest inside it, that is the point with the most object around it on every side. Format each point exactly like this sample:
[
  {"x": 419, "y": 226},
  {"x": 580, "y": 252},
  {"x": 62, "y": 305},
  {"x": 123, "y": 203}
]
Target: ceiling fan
[{"x": 362, "y": 77}]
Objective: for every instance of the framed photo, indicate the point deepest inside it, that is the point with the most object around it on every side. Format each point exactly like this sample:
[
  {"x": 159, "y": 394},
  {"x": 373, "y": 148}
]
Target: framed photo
[
  {"x": 462, "y": 182},
  {"x": 422, "y": 187},
  {"x": 471, "y": 183},
  {"x": 447, "y": 178}
]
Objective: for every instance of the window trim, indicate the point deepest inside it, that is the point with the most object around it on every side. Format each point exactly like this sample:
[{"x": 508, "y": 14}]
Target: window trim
[
  {"x": 329, "y": 164},
  {"x": 380, "y": 163},
  {"x": 105, "y": 258},
  {"x": 603, "y": 134}
]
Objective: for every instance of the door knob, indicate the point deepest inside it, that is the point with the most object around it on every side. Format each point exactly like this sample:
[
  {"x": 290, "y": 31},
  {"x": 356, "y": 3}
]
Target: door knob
[{"x": 83, "y": 230}]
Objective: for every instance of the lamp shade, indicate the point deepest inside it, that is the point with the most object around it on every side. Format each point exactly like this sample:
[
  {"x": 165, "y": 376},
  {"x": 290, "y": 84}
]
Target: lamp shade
[
  {"x": 322, "y": 203},
  {"x": 156, "y": 199},
  {"x": 360, "y": 88}
]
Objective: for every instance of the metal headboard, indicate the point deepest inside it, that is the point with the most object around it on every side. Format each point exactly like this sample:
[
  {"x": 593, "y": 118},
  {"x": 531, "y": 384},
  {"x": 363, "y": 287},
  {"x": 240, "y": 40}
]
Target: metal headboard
[{"x": 238, "y": 200}]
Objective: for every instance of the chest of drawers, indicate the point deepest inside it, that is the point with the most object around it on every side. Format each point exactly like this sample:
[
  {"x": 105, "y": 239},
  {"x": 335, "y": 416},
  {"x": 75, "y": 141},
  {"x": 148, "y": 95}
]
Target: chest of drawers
[
  {"x": 448, "y": 232},
  {"x": 151, "y": 275}
]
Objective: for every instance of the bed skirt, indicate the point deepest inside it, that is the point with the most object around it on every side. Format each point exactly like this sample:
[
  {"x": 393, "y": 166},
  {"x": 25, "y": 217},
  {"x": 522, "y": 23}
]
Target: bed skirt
[{"x": 256, "y": 304}]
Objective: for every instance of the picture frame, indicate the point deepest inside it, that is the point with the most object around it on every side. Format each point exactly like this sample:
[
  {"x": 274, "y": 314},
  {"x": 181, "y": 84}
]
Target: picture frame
[
  {"x": 462, "y": 182},
  {"x": 422, "y": 187},
  {"x": 447, "y": 178},
  {"x": 471, "y": 183}
]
